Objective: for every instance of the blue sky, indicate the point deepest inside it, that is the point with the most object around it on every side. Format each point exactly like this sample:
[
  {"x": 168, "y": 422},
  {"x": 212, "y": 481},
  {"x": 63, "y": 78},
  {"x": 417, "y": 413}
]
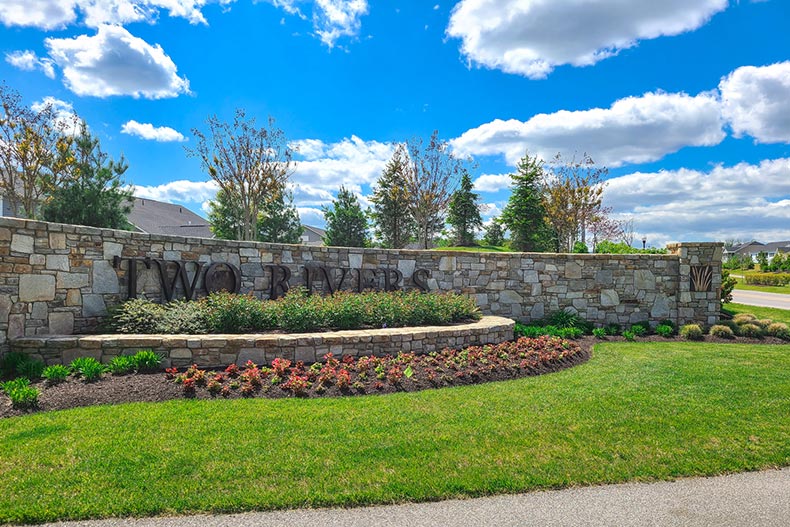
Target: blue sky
[{"x": 686, "y": 101}]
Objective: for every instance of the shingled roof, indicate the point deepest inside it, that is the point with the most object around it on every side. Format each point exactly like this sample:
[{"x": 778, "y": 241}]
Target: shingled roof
[{"x": 155, "y": 217}]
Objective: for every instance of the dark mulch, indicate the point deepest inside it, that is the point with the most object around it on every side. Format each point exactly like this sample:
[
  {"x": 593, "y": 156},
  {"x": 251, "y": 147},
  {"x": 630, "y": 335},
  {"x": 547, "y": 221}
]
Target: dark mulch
[{"x": 154, "y": 387}]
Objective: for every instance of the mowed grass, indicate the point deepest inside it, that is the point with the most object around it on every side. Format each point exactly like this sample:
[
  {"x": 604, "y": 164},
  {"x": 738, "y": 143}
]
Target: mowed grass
[
  {"x": 636, "y": 411},
  {"x": 777, "y": 315},
  {"x": 477, "y": 249}
]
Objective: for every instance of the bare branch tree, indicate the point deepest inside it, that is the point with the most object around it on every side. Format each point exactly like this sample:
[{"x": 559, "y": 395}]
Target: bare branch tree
[
  {"x": 250, "y": 165},
  {"x": 627, "y": 231},
  {"x": 431, "y": 177}
]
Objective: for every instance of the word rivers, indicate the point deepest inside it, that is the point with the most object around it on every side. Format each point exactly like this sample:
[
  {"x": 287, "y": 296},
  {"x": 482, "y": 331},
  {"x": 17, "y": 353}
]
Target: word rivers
[{"x": 223, "y": 276}]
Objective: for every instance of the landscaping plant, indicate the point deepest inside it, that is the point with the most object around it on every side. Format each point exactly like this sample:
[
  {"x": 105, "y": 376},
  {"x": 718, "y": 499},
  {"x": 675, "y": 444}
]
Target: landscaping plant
[
  {"x": 692, "y": 332},
  {"x": 20, "y": 392},
  {"x": 55, "y": 373}
]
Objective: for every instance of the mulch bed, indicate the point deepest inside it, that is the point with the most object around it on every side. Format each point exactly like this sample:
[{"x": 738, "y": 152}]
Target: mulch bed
[{"x": 155, "y": 387}]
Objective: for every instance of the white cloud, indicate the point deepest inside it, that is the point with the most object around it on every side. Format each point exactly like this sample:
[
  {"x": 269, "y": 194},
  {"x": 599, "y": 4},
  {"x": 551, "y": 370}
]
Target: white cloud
[
  {"x": 114, "y": 62},
  {"x": 742, "y": 201},
  {"x": 756, "y": 101},
  {"x": 181, "y": 190},
  {"x": 492, "y": 182},
  {"x": 52, "y": 14},
  {"x": 532, "y": 37},
  {"x": 333, "y": 19},
  {"x": 151, "y": 132},
  {"x": 311, "y": 216},
  {"x": 28, "y": 61},
  {"x": 63, "y": 114},
  {"x": 632, "y": 130}
]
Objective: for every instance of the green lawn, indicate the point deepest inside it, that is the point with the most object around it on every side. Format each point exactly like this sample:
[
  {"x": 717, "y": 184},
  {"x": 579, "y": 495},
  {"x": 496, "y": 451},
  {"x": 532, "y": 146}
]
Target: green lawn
[
  {"x": 777, "y": 315},
  {"x": 636, "y": 411},
  {"x": 477, "y": 249},
  {"x": 742, "y": 285}
]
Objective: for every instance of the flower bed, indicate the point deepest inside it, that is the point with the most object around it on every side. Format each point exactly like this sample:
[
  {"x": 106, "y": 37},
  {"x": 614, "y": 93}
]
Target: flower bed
[{"x": 332, "y": 376}]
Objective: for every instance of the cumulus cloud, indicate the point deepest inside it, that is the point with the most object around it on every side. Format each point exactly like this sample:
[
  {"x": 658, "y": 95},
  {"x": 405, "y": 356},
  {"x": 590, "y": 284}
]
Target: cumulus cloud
[
  {"x": 632, "y": 130},
  {"x": 332, "y": 19},
  {"x": 532, "y": 37},
  {"x": 52, "y": 14},
  {"x": 756, "y": 102},
  {"x": 746, "y": 201},
  {"x": 115, "y": 62},
  {"x": 492, "y": 182},
  {"x": 28, "y": 61},
  {"x": 182, "y": 190},
  {"x": 152, "y": 133}
]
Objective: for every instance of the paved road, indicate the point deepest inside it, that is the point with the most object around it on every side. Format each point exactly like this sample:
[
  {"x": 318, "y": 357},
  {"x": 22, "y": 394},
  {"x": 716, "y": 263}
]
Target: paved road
[
  {"x": 758, "y": 298},
  {"x": 756, "y": 499}
]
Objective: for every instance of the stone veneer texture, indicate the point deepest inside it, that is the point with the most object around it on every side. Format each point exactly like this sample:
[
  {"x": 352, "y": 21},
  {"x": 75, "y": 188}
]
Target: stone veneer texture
[{"x": 60, "y": 279}]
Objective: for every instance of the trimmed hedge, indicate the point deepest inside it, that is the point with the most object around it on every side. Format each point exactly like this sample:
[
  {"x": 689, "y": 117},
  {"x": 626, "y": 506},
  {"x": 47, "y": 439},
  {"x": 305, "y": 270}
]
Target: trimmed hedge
[
  {"x": 773, "y": 279},
  {"x": 296, "y": 312}
]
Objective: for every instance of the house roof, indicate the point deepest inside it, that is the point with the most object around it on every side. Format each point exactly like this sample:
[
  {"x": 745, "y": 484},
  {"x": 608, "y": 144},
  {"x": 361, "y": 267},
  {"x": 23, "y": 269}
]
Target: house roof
[
  {"x": 156, "y": 217},
  {"x": 755, "y": 247},
  {"x": 315, "y": 230}
]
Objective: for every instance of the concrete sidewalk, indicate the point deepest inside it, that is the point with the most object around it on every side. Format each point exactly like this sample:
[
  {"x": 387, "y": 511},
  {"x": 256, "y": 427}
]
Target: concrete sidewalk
[
  {"x": 758, "y": 298},
  {"x": 755, "y": 499}
]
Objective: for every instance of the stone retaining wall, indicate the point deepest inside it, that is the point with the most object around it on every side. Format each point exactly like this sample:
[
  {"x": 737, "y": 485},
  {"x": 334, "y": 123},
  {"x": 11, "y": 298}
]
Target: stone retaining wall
[
  {"x": 60, "y": 279},
  {"x": 221, "y": 350}
]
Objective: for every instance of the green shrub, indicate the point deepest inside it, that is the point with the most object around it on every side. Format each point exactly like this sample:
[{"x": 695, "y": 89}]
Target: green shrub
[
  {"x": 629, "y": 335},
  {"x": 567, "y": 319},
  {"x": 744, "y": 318},
  {"x": 146, "y": 360},
  {"x": 87, "y": 367},
  {"x": 570, "y": 333},
  {"x": 721, "y": 331},
  {"x": 55, "y": 373},
  {"x": 770, "y": 279},
  {"x": 185, "y": 317},
  {"x": 667, "y": 322},
  {"x": 137, "y": 315},
  {"x": 665, "y": 330},
  {"x": 20, "y": 392},
  {"x": 121, "y": 365},
  {"x": 638, "y": 330},
  {"x": 763, "y": 322},
  {"x": 691, "y": 332},
  {"x": 612, "y": 329},
  {"x": 9, "y": 367},
  {"x": 599, "y": 333},
  {"x": 32, "y": 369},
  {"x": 778, "y": 330},
  {"x": 736, "y": 329},
  {"x": 531, "y": 331},
  {"x": 751, "y": 331}
]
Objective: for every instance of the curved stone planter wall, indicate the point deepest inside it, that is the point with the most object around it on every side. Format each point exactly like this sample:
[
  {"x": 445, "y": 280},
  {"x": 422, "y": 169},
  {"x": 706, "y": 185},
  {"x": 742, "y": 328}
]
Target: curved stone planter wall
[{"x": 220, "y": 350}]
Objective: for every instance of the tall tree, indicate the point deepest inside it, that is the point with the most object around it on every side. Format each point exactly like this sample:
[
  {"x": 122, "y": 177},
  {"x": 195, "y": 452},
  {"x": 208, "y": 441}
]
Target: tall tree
[
  {"x": 250, "y": 164},
  {"x": 391, "y": 214},
  {"x": 524, "y": 215},
  {"x": 91, "y": 191},
  {"x": 224, "y": 217},
  {"x": 346, "y": 223},
  {"x": 573, "y": 197},
  {"x": 494, "y": 234},
  {"x": 464, "y": 212},
  {"x": 279, "y": 222},
  {"x": 34, "y": 151},
  {"x": 431, "y": 176}
]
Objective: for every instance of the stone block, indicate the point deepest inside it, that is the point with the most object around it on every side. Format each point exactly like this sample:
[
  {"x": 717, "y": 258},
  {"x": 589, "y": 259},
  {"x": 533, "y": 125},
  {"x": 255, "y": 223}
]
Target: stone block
[
  {"x": 39, "y": 311},
  {"x": 34, "y": 288},
  {"x": 93, "y": 306},
  {"x": 57, "y": 262},
  {"x": 22, "y": 243},
  {"x": 105, "y": 279},
  {"x": 61, "y": 323},
  {"x": 573, "y": 270},
  {"x": 660, "y": 308},
  {"x": 609, "y": 297},
  {"x": 57, "y": 240},
  {"x": 510, "y": 297},
  {"x": 111, "y": 249},
  {"x": 644, "y": 279},
  {"x": 72, "y": 280},
  {"x": 16, "y": 326},
  {"x": 448, "y": 263}
]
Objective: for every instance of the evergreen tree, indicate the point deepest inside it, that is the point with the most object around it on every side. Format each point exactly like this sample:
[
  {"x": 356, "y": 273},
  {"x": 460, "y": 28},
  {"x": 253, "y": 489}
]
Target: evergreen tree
[
  {"x": 494, "y": 234},
  {"x": 224, "y": 217},
  {"x": 91, "y": 191},
  {"x": 346, "y": 224},
  {"x": 524, "y": 215},
  {"x": 464, "y": 212},
  {"x": 278, "y": 221},
  {"x": 392, "y": 219}
]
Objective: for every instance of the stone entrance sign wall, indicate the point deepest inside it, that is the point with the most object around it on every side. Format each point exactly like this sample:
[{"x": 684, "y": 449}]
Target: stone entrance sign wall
[{"x": 60, "y": 279}]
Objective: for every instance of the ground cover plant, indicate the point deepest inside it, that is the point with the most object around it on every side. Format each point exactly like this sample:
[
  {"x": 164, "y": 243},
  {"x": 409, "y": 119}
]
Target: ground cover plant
[
  {"x": 297, "y": 311},
  {"x": 777, "y": 315},
  {"x": 635, "y": 411}
]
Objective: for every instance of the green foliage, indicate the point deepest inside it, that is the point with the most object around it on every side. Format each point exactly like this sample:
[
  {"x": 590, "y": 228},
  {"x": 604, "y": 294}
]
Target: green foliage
[
  {"x": 494, "y": 234},
  {"x": 225, "y": 217},
  {"x": 464, "y": 212},
  {"x": 580, "y": 248},
  {"x": 751, "y": 331},
  {"x": 32, "y": 369},
  {"x": 609, "y": 247},
  {"x": 665, "y": 330},
  {"x": 297, "y": 311},
  {"x": 744, "y": 318},
  {"x": 55, "y": 373},
  {"x": 629, "y": 335},
  {"x": 637, "y": 329},
  {"x": 346, "y": 223},
  {"x": 762, "y": 260},
  {"x": 9, "y": 367},
  {"x": 778, "y": 330},
  {"x": 728, "y": 283},
  {"x": 524, "y": 215},
  {"x": 721, "y": 331},
  {"x": 568, "y": 319},
  {"x": 769, "y": 279},
  {"x": 121, "y": 365},
  {"x": 612, "y": 329},
  {"x": 146, "y": 360},
  {"x": 739, "y": 261},
  {"x": 535, "y": 331},
  {"x": 278, "y": 221},
  {"x": 692, "y": 332},
  {"x": 392, "y": 218},
  {"x": 87, "y": 367},
  {"x": 22, "y": 395},
  {"x": 91, "y": 192},
  {"x": 599, "y": 333}
]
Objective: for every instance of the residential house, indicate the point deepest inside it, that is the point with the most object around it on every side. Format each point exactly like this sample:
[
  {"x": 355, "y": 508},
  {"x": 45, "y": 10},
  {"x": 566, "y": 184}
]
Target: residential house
[{"x": 753, "y": 248}]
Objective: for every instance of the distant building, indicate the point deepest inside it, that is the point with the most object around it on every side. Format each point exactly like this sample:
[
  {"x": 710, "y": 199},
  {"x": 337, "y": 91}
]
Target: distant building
[
  {"x": 753, "y": 248},
  {"x": 312, "y": 235},
  {"x": 156, "y": 217}
]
